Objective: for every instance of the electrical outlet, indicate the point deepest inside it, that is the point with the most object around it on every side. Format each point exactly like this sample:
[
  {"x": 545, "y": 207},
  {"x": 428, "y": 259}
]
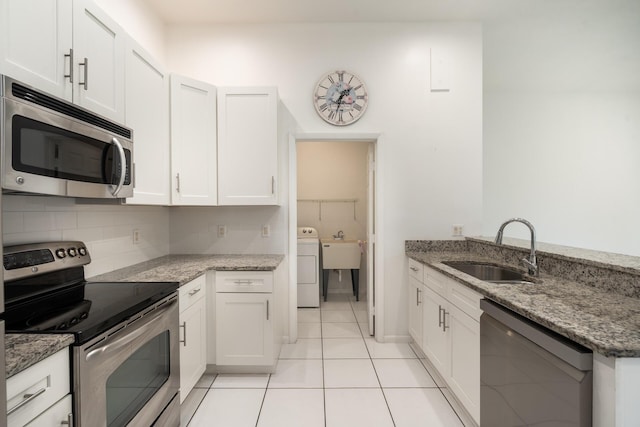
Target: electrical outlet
[
  {"x": 457, "y": 230},
  {"x": 222, "y": 231},
  {"x": 136, "y": 236},
  {"x": 266, "y": 230}
]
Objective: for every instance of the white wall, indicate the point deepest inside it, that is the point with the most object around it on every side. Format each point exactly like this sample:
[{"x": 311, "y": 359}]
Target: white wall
[
  {"x": 432, "y": 143},
  {"x": 142, "y": 24},
  {"x": 106, "y": 229},
  {"x": 562, "y": 125},
  {"x": 333, "y": 171}
]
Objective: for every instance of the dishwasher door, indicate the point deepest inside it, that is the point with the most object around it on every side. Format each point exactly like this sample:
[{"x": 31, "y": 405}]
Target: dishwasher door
[{"x": 529, "y": 375}]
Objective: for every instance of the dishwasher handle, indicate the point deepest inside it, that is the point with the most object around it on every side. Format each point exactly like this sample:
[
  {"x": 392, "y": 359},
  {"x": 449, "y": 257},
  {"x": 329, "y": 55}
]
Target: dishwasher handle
[{"x": 572, "y": 353}]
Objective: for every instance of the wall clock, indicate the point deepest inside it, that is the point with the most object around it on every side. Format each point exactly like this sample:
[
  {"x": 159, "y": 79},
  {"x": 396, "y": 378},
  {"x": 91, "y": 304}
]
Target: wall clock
[{"x": 340, "y": 98}]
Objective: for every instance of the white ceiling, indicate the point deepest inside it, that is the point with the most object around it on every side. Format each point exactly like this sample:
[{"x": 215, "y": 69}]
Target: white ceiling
[{"x": 274, "y": 11}]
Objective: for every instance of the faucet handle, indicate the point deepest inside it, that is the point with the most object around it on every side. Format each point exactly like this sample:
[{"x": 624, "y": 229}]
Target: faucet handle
[{"x": 531, "y": 266}]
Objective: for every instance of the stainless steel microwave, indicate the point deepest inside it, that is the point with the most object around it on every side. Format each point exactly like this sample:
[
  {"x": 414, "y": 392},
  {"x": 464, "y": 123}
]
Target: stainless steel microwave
[{"x": 50, "y": 146}]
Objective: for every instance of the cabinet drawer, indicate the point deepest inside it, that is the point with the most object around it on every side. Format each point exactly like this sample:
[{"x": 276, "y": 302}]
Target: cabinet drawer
[
  {"x": 43, "y": 384},
  {"x": 192, "y": 292},
  {"x": 437, "y": 282},
  {"x": 244, "y": 281},
  {"x": 416, "y": 270},
  {"x": 465, "y": 299},
  {"x": 56, "y": 415}
]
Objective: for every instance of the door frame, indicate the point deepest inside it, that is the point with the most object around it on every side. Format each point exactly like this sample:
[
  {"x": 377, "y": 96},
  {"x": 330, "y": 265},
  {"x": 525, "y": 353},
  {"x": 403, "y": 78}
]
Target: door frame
[{"x": 378, "y": 273}]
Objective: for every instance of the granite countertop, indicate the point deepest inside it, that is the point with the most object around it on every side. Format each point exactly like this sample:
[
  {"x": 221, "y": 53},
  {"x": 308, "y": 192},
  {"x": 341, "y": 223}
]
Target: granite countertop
[
  {"x": 605, "y": 322},
  {"x": 24, "y": 350},
  {"x": 185, "y": 268}
]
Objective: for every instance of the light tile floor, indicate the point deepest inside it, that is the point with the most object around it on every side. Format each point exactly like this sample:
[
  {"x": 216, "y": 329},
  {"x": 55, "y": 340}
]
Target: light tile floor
[{"x": 333, "y": 376}]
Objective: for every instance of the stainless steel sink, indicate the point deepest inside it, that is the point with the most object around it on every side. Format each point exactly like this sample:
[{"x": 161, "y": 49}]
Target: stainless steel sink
[{"x": 490, "y": 272}]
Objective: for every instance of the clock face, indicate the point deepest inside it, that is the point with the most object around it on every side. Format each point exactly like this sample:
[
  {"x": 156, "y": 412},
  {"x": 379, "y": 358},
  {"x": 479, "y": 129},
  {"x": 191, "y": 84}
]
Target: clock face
[{"x": 340, "y": 98}]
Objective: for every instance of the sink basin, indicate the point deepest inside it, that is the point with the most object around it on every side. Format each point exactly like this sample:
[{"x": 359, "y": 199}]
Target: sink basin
[
  {"x": 490, "y": 272},
  {"x": 340, "y": 254}
]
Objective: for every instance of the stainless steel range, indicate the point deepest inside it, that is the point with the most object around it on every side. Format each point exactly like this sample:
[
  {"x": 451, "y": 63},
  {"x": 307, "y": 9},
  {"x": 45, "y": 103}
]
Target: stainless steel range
[{"x": 125, "y": 363}]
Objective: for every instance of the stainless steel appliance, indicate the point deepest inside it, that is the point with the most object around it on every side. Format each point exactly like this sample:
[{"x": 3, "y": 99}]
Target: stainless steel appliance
[
  {"x": 125, "y": 358},
  {"x": 51, "y": 146},
  {"x": 530, "y": 375},
  {"x": 3, "y": 380}
]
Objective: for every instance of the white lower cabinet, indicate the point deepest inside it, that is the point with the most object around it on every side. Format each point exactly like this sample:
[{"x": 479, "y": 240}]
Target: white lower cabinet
[
  {"x": 38, "y": 389},
  {"x": 450, "y": 333},
  {"x": 60, "y": 414},
  {"x": 193, "y": 334},
  {"x": 244, "y": 330},
  {"x": 247, "y": 321}
]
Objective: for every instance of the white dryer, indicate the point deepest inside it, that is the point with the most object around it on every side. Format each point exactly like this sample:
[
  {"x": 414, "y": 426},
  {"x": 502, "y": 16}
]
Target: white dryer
[{"x": 308, "y": 267}]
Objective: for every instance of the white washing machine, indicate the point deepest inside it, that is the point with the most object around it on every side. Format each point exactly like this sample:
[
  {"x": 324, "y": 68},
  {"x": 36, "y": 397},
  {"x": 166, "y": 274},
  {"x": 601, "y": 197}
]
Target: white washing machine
[{"x": 308, "y": 267}]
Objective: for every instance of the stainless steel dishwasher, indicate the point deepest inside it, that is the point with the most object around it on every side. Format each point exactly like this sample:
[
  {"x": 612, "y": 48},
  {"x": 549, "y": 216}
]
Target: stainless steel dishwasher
[{"x": 530, "y": 375}]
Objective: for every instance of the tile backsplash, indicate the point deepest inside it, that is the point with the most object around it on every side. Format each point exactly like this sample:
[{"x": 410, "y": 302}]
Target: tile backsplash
[{"x": 107, "y": 229}]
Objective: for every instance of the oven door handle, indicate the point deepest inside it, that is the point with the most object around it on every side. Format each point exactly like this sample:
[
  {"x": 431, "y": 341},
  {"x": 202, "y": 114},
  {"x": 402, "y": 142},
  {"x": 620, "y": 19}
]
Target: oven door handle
[
  {"x": 123, "y": 167},
  {"x": 141, "y": 329}
]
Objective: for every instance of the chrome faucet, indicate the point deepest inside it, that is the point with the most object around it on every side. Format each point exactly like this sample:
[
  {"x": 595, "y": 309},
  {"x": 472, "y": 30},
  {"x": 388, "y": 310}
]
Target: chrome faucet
[
  {"x": 339, "y": 236},
  {"x": 531, "y": 263}
]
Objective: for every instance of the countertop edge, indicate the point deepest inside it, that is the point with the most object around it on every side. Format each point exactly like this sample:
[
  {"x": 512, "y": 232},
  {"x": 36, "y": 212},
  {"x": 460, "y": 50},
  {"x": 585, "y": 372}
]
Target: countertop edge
[{"x": 25, "y": 350}]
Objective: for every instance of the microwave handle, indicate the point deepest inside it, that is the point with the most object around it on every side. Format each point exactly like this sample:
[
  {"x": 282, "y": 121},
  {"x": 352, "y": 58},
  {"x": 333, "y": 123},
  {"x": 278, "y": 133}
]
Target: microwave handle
[{"x": 123, "y": 169}]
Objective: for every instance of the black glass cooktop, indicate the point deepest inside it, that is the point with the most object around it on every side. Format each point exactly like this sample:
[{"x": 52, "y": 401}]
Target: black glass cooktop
[{"x": 84, "y": 309}]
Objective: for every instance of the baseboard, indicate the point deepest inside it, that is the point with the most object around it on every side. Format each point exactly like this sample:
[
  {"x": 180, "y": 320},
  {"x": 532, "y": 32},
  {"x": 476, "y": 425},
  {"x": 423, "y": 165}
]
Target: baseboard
[{"x": 397, "y": 338}]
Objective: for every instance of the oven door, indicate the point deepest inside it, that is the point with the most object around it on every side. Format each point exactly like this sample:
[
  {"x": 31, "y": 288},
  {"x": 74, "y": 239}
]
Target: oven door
[
  {"x": 46, "y": 152},
  {"x": 131, "y": 375}
]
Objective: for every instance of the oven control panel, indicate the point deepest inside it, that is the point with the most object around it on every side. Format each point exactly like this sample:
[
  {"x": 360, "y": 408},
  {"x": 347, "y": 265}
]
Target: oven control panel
[{"x": 22, "y": 261}]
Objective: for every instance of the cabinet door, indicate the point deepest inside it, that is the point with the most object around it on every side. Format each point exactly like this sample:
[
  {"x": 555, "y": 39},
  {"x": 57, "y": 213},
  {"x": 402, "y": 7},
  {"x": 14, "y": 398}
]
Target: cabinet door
[
  {"x": 147, "y": 113},
  {"x": 193, "y": 346},
  {"x": 60, "y": 414},
  {"x": 464, "y": 371},
  {"x": 435, "y": 339},
  {"x": 193, "y": 142},
  {"x": 247, "y": 146},
  {"x": 415, "y": 310},
  {"x": 35, "y": 36},
  {"x": 244, "y": 329},
  {"x": 99, "y": 45}
]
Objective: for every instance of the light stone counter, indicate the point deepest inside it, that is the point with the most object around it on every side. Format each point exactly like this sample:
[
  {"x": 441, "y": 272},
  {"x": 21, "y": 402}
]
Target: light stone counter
[
  {"x": 603, "y": 314},
  {"x": 24, "y": 350}
]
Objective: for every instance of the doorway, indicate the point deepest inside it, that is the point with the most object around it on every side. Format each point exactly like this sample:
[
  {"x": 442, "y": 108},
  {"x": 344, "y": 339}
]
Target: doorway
[{"x": 338, "y": 196}]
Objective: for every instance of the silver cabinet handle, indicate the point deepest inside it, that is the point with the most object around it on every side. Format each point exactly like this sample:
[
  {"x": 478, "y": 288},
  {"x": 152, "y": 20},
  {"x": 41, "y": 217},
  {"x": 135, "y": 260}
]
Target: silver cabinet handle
[
  {"x": 243, "y": 282},
  {"x": 440, "y": 315},
  {"x": 195, "y": 291},
  {"x": 177, "y": 182},
  {"x": 70, "y": 56},
  {"x": 267, "y": 309},
  {"x": 273, "y": 185},
  {"x": 68, "y": 422},
  {"x": 27, "y": 398},
  {"x": 444, "y": 320},
  {"x": 418, "y": 296},
  {"x": 123, "y": 166},
  {"x": 414, "y": 269},
  {"x": 184, "y": 334},
  {"x": 85, "y": 83}
]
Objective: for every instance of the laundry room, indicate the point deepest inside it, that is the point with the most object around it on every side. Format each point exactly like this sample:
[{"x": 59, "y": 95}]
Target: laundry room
[{"x": 333, "y": 184}]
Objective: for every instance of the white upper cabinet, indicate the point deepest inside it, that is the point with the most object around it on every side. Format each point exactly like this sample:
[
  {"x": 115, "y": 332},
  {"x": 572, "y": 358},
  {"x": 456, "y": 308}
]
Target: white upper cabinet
[
  {"x": 35, "y": 36},
  {"x": 247, "y": 146},
  {"x": 99, "y": 45},
  {"x": 193, "y": 142},
  {"x": 71, "y": 50},
  {"x": 147, "y": 113}
]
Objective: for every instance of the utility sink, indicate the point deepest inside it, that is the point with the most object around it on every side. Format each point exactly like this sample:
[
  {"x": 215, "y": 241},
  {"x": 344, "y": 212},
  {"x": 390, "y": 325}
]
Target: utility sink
[
  {"x": 340, "y": 254},
  {"x": 490, "y": 272}
]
